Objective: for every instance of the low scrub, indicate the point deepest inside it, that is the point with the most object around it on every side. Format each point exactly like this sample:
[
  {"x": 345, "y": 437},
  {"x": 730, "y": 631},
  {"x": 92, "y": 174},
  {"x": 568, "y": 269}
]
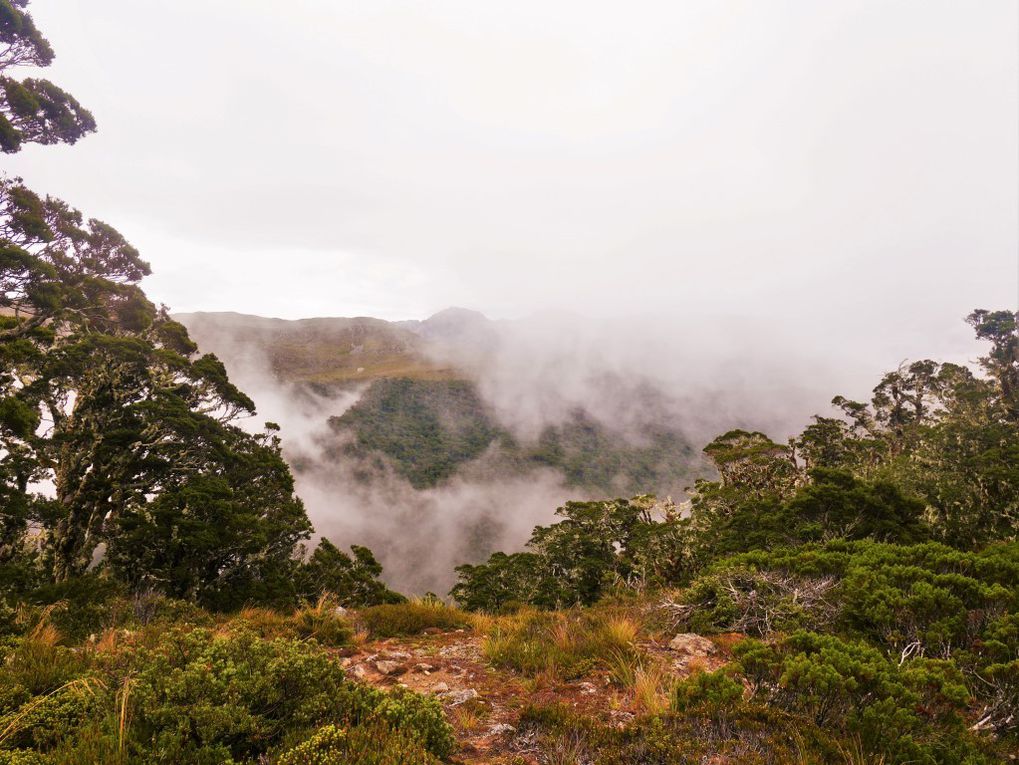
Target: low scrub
[
  {"x": 194, "y": 695},
  {"x": 374, "y": 743}
]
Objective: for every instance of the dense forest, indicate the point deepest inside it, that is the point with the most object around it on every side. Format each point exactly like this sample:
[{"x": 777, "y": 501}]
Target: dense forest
[
  {"x": 430, "y": 429},
  {"x": 849, "y": 596}
]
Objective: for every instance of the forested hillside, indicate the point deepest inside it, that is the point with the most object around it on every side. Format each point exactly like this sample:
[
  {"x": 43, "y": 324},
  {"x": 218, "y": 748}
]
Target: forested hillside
[
  {"x": 427, "y": 417},
  {"x": 848, "y": 596}
]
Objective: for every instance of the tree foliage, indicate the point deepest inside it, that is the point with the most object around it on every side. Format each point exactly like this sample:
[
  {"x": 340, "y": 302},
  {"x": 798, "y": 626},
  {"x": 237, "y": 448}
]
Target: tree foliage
[{"x": 105, "y": 398}]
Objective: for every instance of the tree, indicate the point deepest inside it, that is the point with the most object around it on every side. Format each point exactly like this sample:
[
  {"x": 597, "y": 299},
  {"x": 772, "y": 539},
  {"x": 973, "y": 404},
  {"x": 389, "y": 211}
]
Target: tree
[
  {"x": 1002, "y": 363},
  {"x": 221, "y": 533},
  {"x": 106, "y": 397},
  {"x": 33, "y": 110},
  {"x": 596, "y": 545},
  {"x": 352, "y": 579}
]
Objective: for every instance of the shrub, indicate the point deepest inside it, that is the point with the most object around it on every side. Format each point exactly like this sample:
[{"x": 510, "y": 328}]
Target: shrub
[
  {"x": 715, "y": 690},
  {"x": 22, "y": 757},
  {"x": 927, "y": 598},
  {"x": 741, "y": 599},
  {"x": 748, "y": 735},
  {"x": 83, "y": 606},
  {"x": 374, "y": 743},
  {"x": 198, "y": 697},
  {"x": 418, "y": 716},
  {"x": 913, "y": 712}
]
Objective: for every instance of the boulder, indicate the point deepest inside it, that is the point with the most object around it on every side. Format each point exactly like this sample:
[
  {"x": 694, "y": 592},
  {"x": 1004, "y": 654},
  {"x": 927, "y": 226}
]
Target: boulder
[
  {"x": 390, "y": 667},
  {"x": 455, "y": 698},
  {"x": 692, "y": 645}
]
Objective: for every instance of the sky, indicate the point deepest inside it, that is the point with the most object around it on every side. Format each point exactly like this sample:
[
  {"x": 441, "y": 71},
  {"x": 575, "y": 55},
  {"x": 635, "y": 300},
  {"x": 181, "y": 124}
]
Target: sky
[{"x": 843, "y": 172}]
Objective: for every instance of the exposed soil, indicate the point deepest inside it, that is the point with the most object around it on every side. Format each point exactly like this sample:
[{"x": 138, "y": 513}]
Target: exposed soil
[{"x": 483, "y": 703}]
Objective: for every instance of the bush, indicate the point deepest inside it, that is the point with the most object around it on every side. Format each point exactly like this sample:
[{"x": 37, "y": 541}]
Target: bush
[
  {"x": 411, "y": 618},
  {"x": 748, "y": 735},
  {"x": 192, "y": 696},
  {"x": 370, "y": 744},
  {"x": 713, "y": 690},
  {"x": 913, "y": 712},
  {"x": 22, "y": 757},
  {"x": 930, "y": 596},
  {"x": 741, "y": 599},
  {"x": 83, "y": 606}
]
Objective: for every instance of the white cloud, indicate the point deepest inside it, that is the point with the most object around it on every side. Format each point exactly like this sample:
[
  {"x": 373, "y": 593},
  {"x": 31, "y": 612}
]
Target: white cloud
[{"x": 846, "y": 165}]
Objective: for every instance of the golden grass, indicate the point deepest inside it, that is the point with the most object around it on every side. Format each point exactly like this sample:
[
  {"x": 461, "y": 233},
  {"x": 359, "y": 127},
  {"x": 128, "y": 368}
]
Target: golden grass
[
  {"x": 108, "y": 641},
  {"x": 565, "y": 644},
  {"x": 621, "y": 630},
  {"x": 468, "y": 717},
  {"x": 45, "y": 634},
  {"x": 125, "y": 695},
  {"x": 651, "y": 689}
]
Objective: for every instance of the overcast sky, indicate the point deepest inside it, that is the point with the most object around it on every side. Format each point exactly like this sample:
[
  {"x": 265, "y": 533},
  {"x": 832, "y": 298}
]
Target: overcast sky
[{"x": 850, "y": 167}]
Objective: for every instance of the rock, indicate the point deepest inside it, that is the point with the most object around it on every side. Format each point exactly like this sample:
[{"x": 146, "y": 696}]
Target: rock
[
  {"x": 587, "y": 688},
  {"x": 340, "y": 611},
  {"x": 424, "y": 668},
  {"x": 690, "y": 644},
  {"x": 395, "y": 655},
  {"x": 499, "y": 728},
  {"x": 390, "y": 667},
  {"x": 440, "y": 688},
  {"x": 358, "y": 671},
  {"x": 455, "y": 698}
]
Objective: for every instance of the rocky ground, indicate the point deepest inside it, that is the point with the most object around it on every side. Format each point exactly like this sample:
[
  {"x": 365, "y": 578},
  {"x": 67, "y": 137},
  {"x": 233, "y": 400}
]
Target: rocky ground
[{"x": 484, "y": 703}]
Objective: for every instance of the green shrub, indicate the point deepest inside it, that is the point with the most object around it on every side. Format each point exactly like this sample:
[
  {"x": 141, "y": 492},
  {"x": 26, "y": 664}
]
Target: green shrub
[
  {"x": 40, "y": 666},
  {"x": 737, "y": 598},
  {"x": 913, "y": 712},
  {"x": 716, "y": 690},
  {"x": 373, "y": 743},
  {"x": 748, "y": 735},
  {"x": 23, "y": 757},
  {"x": 194, "y": 696},
  {"x": 930, "y": 595},
  {"x": 419, "y": 717},
  {"x": 411, "y": 618},
  {"x": 202, "y": 697},
  {"x": 83, "y": 606}
]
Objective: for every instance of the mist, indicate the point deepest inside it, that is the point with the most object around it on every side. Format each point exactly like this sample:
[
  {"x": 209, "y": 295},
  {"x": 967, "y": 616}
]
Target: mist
[
  {"x": 699, "y": 379},
  {"x": 845, "y": 168},
  {"x": 708, "y": 214}
]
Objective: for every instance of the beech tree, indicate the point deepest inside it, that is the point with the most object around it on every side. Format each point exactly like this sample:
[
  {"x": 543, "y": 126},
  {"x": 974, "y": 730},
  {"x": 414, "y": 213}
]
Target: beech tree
[
  {"x": 33, "y": 110},
  {"x": 105, "y": 398}
]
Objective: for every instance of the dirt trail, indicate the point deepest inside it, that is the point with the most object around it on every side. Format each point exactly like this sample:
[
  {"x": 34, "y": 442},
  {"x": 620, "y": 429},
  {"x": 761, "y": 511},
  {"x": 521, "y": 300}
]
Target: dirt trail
[{"x": 484, "y": 704}]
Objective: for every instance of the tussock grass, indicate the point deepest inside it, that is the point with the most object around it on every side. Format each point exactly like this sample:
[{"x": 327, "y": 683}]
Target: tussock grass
[
  {"x": 411, "y": 618},
  {"x": 323, "y": 622},
  {"x": 565, "y": 644},
  {"x": 651, "y": 689}
]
